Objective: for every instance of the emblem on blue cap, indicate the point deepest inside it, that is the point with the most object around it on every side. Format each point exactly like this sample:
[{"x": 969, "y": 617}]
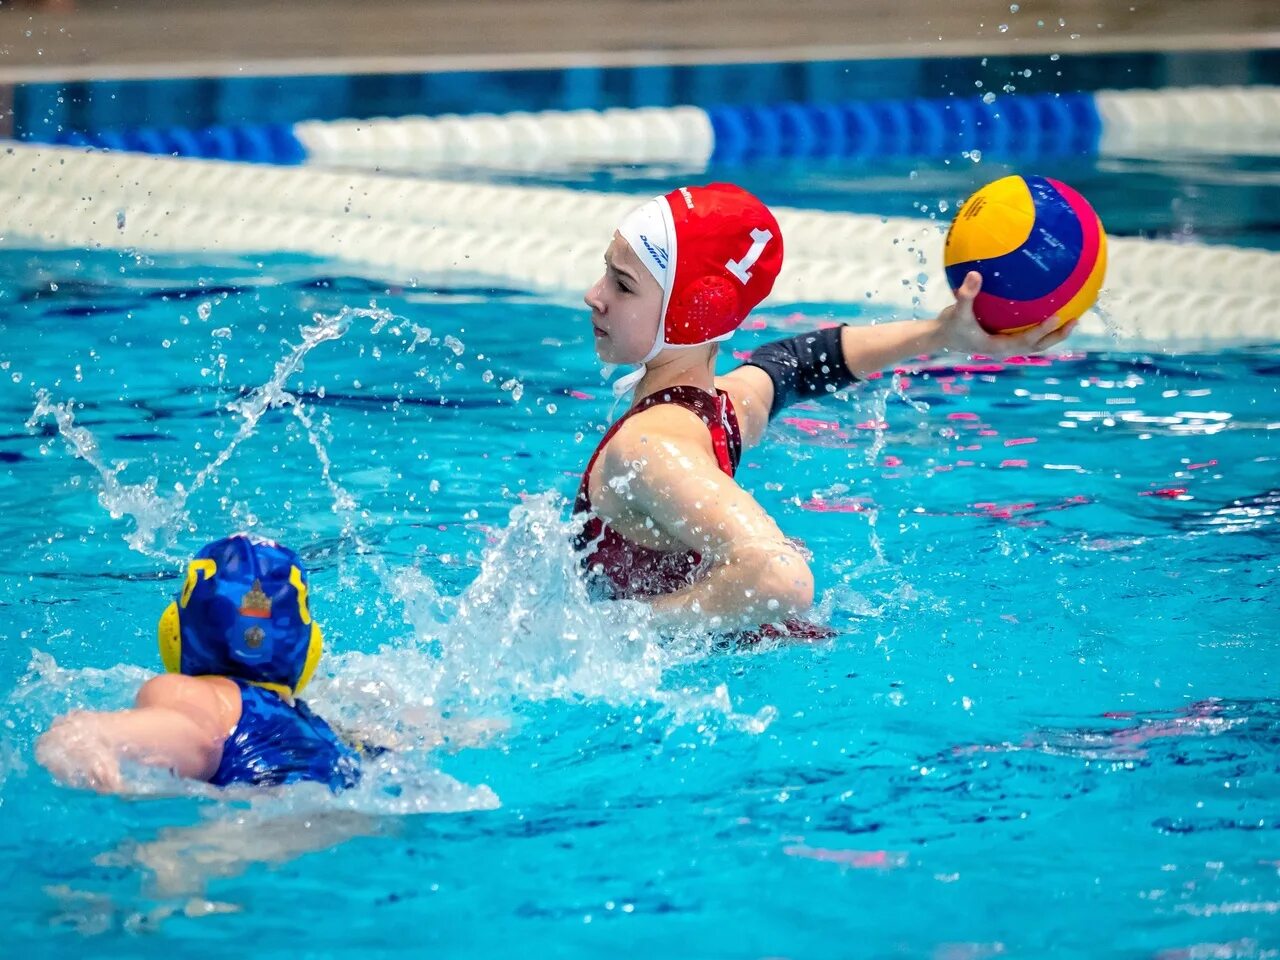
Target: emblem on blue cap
[{"x": 255, "y": 603}]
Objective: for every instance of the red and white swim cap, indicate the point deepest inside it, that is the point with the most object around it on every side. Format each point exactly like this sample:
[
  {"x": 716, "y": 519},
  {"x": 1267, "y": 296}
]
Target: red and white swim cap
[{"x": 716, "y": 251}]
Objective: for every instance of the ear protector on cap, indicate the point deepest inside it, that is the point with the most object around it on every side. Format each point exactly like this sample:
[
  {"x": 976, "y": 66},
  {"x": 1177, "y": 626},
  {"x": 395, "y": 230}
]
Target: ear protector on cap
[{"x": 243, "y": 613}]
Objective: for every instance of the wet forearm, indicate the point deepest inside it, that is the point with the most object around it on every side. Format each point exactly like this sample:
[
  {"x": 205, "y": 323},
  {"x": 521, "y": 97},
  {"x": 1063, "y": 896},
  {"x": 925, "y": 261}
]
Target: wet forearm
[
  {"x": 88, "y": 747},
  {"x": 871, "y": 349},
  {"x": 740, "y": 592}
]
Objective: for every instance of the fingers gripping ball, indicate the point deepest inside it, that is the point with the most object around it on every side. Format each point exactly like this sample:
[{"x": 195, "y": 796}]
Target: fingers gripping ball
[{"x": 1039, "y": 247}]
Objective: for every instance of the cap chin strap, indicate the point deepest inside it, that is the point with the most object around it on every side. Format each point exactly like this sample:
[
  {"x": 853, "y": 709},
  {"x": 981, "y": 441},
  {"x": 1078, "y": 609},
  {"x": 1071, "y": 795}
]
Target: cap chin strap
[{"x": 627, "y": 382}]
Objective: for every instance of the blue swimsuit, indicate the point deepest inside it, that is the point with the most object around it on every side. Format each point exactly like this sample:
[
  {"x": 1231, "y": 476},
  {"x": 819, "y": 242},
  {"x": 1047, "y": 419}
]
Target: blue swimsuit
[{"x": 275, "y": 743}]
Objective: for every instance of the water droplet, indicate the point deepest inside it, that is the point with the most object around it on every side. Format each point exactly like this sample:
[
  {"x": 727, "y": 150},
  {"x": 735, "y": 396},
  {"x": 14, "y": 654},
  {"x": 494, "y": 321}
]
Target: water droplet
[
  {"x": 551, "y": 408},
  {"x": 975, "y": 156},
  {"x": 1013, "y": 8},
  {"x": 1003, "y": 28},
  {"x": 988, "y": 97},
  {"x": 454, "y": 344},
  {"x": 204, "y": 309},
  {"x": 943, "y": 206},
  {"x": 1054, "y": 56}
]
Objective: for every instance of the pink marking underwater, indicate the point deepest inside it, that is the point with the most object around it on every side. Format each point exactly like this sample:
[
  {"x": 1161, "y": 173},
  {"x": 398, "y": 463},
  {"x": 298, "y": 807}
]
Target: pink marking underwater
[
  {"x": 855, "y": 505},
  {"x": 1166, "y": 493},
  {"x": 815, "y": 428},
  {"x": 861, "y": 859}
]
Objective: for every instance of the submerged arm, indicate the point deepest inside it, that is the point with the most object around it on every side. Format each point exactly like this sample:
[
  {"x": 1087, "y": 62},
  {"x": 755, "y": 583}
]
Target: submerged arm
[{"x": 178, "y": 723}]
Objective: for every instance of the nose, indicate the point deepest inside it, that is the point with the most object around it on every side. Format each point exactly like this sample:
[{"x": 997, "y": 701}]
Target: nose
[{"x": 592, "y": 297}]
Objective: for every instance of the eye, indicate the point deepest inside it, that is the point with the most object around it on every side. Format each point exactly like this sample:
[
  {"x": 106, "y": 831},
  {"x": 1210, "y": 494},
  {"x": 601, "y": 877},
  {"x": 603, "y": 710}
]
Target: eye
[{"x": 621, "y": 286}]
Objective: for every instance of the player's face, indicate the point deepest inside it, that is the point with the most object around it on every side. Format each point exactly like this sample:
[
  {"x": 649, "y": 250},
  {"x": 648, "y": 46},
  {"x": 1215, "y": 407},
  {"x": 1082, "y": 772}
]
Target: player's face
[{"x": 625, "y": 306}]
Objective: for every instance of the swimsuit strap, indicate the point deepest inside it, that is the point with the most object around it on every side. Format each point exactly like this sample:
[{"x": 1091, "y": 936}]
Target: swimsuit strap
[{"x": 716, "y": 411}]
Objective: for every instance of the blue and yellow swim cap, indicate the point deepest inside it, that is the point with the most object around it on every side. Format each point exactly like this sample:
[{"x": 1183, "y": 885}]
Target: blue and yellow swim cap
[{"x": 243, "y": 613}]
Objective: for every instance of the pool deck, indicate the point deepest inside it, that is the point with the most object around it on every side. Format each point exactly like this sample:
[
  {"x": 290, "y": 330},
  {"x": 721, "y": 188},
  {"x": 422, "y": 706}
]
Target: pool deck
[{"x": 84, "y": 39}]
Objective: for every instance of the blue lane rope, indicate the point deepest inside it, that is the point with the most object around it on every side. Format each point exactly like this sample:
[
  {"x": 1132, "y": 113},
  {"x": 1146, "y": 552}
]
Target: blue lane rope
[
  {"x": 1015, "y": 125},
  {"x": 1021, "y": 125},
  {"x": 260, "y": 143}
]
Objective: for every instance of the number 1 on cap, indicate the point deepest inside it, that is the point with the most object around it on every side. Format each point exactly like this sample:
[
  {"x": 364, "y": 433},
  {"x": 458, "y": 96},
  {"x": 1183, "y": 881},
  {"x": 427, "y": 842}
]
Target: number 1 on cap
[{"x": 742, "y": 268}]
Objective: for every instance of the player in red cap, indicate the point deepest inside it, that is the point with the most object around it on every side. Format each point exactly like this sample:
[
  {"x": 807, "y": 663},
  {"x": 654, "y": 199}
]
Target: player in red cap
[{"x": 663, "y": 519}]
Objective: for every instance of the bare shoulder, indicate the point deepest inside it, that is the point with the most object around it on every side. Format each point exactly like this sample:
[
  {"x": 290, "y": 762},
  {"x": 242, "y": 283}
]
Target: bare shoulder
[
  {"x": 208, "y": 701},
  {"x": 663, "y": 432}
]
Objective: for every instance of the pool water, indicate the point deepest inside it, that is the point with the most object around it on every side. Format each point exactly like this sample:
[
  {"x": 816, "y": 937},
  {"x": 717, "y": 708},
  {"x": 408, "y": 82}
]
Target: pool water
[{"x": 1046, "y": 723}]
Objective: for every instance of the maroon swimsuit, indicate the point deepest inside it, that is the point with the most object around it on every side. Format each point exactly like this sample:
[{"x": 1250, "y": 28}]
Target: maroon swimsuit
[{"x": 622, "y": 569}]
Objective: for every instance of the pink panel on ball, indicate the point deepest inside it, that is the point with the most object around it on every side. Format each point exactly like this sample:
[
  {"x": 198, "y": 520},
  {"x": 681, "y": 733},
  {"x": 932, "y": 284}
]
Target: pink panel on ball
[{"x": 996, "y": 314}]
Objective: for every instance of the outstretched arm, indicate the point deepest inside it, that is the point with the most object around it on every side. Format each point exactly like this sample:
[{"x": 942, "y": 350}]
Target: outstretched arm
[
  {"x": 864, "y": 350},
  {"x": 178, "y": 723},
  {"x": 668, "y": 474}
]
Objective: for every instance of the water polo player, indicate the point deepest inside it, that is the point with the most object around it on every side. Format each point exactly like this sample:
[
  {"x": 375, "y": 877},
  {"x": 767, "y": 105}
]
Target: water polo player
[
  {"x": 663, "y": 518},
  {"x": 239, "y": 643}
]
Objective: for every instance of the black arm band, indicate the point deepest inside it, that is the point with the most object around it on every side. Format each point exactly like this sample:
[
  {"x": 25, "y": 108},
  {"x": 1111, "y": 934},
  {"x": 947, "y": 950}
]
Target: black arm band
[{"x": 810, "y": 365}]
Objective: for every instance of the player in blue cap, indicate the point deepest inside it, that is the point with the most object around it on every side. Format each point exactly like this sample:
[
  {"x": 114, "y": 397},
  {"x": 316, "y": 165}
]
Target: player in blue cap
[{"x": 239, "y": 644}]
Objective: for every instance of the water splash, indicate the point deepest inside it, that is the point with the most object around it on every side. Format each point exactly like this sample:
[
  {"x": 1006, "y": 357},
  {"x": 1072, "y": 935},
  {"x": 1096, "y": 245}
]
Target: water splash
[
  {"x": 524, "y": 630},
  {"x": 158, "y": 519},
  {"x": 153, "y": 515}
]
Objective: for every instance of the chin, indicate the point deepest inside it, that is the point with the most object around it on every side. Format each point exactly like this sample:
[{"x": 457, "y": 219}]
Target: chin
[{"x": 608, "y": 353}]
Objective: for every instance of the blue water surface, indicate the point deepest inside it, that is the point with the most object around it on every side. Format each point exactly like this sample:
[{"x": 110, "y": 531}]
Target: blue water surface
[{"x": 1046, "y": 724}]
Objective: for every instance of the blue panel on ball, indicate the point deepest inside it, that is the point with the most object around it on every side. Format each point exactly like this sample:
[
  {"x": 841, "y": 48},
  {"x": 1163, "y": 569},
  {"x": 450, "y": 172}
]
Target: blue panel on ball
[{"x": 1040, "y": 265}]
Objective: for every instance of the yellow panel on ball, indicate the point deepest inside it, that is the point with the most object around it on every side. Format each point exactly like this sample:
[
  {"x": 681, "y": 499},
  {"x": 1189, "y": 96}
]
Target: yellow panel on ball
[{"x": 994, "y": 221}]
